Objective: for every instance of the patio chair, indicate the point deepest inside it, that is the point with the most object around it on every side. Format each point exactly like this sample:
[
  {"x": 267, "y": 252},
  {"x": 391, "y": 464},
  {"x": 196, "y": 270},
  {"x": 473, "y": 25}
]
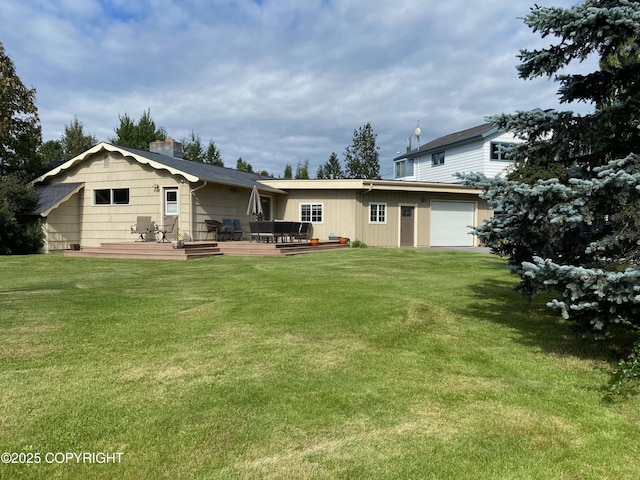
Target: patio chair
[
  {"x": 282, "y": 230},
  {"x": 220, "y": 232},
  {"x": 236, "y": 234},
  {"x": 164, "y": 230},
  {"x": 303, "y": 232},
  {"x": 142, "y": 227},
  {"x": 237, "y": 229},
  {"x": 254, "y": 234}
]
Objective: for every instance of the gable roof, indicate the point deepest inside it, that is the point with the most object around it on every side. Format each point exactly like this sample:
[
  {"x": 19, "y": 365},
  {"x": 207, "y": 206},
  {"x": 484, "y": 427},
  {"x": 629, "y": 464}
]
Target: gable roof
[
  {"x": 453, "y": 139},
  {"x": 191, "y": 171},
  {"x": 50, "y": 196}
]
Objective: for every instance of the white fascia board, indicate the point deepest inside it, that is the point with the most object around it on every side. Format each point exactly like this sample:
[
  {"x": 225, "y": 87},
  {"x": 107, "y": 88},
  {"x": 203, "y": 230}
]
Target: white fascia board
[{"x": 113, "y": 148}]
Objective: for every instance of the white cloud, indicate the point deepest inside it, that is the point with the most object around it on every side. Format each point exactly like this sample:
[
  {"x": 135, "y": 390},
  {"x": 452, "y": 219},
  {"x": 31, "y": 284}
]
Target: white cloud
[{"x": 275, "y": 81}]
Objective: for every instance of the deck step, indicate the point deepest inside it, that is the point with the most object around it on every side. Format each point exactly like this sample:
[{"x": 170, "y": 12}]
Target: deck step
[{"x": 197, "y": 250}]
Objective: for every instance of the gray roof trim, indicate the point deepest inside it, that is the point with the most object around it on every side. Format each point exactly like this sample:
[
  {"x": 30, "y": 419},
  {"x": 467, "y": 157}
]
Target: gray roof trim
[
  {"x": 453, "y": 139},
  {"x": 52, "y": 195}
]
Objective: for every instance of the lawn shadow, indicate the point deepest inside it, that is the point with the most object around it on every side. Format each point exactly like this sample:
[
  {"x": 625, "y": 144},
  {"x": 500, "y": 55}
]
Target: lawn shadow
[{"x": 531, "y": 321}]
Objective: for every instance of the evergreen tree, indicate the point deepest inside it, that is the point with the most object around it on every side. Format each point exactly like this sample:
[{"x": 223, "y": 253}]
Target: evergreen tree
[
  {"x": 332, "y": 168},
  {"x": 320, "y": 173},
  {"x": 74, "y": 141},
  {"x": 192, "y": 148},
  {"x": 243, "y": 166},
  {"x": 20, "y": 130},
  {"x": 138, "y": 135},
  {"x": 575, "y": 229},
  {"x": 362, "y": 157},
  {"x": 212, "y": 155},
  {"x": 288, "y": 172}
]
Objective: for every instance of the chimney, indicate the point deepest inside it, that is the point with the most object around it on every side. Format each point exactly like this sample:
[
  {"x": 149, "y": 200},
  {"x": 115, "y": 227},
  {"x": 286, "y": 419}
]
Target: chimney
[{"x": 167, "y": 147}]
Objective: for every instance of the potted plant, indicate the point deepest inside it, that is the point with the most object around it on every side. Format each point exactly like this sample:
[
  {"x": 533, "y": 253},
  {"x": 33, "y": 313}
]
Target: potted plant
[{"x": 177, "y": 241}]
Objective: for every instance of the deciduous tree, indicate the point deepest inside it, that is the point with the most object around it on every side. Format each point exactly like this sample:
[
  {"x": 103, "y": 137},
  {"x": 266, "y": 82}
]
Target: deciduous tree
[
  {"x": 302, "y": 170},
  {"x": 20, "y": 130}
]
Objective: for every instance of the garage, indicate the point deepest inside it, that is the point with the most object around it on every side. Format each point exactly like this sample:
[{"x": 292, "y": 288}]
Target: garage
[{"x": 450, "y": 223}]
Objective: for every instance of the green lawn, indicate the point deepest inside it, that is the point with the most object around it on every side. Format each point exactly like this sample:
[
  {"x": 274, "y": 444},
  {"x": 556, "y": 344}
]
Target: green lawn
[{"x": 361, "y": 363}]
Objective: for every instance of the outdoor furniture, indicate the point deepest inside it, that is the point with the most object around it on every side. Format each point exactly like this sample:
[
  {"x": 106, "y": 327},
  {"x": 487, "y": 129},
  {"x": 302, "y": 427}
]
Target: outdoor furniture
[
  {"x": 236, "y": 233},
  {"x": 261, "y": 231},
  {"x": 142, "y": 227},
  {"x": 164, "y": 230},
  {"x": 237, "y": 229},
  {"x": 282, "y": 230},
  {"x": 219, "y": 230},
  {"x": 303, "y": 231}
]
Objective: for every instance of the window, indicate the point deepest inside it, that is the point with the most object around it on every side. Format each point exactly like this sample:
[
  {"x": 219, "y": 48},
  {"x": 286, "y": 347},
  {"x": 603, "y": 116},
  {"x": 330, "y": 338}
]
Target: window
[
  {"x": 111, "y": 196},
  {"x": 120, "y": 196},
  {"x": 404, "y": 168},
  {"x": 377, "y": 213},
  {"x": 171, "y": 201},
  {"x": 311, "y": 212},
  {"x": 437, "y": 159},
  {"x": 500, "y": 151}
]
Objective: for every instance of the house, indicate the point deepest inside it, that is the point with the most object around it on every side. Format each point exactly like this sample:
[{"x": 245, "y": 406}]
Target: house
[
  {"x": 96, "y": 197},
  {"x": 478, "y": 149},
  {"x": 385, "y": 213}
]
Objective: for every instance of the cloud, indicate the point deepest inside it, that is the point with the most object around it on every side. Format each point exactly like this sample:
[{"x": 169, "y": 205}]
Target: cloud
[{"x": 275, "y": 81}]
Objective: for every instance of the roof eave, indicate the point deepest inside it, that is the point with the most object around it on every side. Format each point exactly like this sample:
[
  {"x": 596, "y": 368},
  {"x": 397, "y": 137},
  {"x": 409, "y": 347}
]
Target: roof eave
[{"x": 103, "y": 146}]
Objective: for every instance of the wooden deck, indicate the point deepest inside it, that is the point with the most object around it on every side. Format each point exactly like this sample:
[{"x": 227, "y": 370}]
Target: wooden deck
[{"x": 202, "y": 249}]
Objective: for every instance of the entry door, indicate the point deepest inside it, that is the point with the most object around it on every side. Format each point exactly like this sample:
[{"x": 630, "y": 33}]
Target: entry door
[{"x": 407, "y": 226}]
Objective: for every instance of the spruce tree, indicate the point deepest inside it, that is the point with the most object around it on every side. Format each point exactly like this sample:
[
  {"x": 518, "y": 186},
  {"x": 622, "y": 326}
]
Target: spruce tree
[
  {"x": 362, "y": 157},
  {"x": 569, "y": 211}
]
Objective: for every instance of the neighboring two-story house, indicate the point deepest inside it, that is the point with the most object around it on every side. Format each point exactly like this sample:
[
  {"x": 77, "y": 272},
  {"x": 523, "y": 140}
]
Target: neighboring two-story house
[{"x": 477, "y": 149}]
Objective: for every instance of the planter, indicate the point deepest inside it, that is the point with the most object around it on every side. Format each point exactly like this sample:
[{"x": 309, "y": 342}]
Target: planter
[
  {"x": 75, "y": 247},
  {"x": 177, "y": 243},
  {"x": 314, "y": 242},
  {"x": 344, "y": 240}
]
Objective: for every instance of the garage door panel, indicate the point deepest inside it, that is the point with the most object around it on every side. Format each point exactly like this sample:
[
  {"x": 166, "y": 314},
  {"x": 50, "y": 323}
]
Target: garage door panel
[{"x": 450, "y": 223}]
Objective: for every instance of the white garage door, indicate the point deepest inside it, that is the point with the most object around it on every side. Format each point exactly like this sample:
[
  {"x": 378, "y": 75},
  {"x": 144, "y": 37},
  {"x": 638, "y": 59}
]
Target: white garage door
[{"x": 450, "y": 223}]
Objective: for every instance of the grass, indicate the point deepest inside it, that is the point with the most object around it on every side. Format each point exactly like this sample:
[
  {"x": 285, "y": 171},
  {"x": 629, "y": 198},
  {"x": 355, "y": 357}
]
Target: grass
[{"x": 373, "y": 363}]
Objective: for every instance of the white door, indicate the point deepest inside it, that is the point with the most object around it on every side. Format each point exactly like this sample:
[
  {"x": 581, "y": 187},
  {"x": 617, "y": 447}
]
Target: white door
[{"x": 451, "y": 223}]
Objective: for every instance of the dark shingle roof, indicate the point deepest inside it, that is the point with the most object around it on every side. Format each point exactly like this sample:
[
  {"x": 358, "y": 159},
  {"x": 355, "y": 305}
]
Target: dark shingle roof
[
  {"x": 204, "y": 171},
  {"x": 49, "y": 196},
  {"x": 463, "y": 136}
]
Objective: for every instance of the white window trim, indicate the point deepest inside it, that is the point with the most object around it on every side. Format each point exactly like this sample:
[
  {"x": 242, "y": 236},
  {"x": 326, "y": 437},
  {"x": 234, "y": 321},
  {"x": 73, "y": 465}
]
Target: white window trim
[
  {"x": 111, "y": 201},
  {"x": 311, "y": 204},
  {"x": 177, "y": 202},
  {"x": 386, "y": 212},
  {"x": 440, "y": 163}
]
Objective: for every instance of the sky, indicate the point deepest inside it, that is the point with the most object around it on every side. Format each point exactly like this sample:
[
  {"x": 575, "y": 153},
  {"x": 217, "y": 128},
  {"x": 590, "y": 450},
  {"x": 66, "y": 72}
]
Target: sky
[{"x": 277, "y": 82}]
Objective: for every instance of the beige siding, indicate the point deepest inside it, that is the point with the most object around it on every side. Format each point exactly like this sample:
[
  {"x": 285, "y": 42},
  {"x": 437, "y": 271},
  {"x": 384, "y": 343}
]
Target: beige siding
[
  {"x": 108, "y": 223},
  {"x": 346, "y": 213},
  {"x": 217, "y": 202},
  {"x": 61, "y": 227},
  {"x": 339, "y": 211}
]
